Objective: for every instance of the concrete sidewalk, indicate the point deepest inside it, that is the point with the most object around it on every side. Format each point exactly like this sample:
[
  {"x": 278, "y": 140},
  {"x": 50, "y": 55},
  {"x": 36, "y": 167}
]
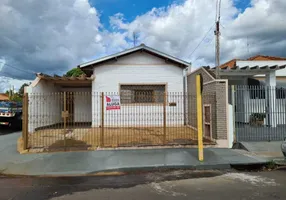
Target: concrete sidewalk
[
  {"x": 268, "y": 150},
  {"x": 91, "y": 162}
]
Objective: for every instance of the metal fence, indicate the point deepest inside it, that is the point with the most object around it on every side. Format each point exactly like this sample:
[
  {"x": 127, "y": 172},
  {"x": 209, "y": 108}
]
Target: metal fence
[
  {"x": 88, "y": 120},
  {"x": 260, "y": 113}
]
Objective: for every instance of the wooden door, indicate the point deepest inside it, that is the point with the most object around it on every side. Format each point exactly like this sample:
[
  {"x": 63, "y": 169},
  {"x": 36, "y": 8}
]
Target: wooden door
[
  {"x": 207, "y": 120},
  {"x": 70, "y": 107}
]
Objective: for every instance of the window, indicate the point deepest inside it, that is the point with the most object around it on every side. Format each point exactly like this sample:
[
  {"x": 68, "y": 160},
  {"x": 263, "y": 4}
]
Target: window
[
  {"x": 257, "y": 92},
  {"x": 280, "y": 93},
  {"x": 142, "y": 93},
  {"x": 261, "y": 92}
]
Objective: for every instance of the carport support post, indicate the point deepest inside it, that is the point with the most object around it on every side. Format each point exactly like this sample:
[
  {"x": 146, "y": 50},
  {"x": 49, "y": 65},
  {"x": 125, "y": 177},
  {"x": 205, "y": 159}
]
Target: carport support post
[
  {"x": 25, "y": 121},
  {"x": 102, "y": 121},
  {"x": 199, "y": 118},
  {"x": 271, "y": 98},
  {"x": 164, "y": 118}
]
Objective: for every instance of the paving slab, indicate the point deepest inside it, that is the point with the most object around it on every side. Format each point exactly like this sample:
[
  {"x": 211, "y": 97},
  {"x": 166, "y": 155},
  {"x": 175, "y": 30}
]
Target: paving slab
[
  {"x": 91, "y": 162},
  {"x": 269, "y": 150}
]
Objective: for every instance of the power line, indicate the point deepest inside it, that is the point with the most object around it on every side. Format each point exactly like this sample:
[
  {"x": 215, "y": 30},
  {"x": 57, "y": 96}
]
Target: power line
[
  {"x": 17, "y": 68},
  {"x": 201, "y": 40},
  {"x": 210, "y": 42}
]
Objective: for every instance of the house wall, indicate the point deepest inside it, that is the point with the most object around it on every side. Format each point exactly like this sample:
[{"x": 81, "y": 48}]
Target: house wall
[
  {"x": 192, "y": 100},
  {"x": 138, "y": 68},
  {"x": 46, "y": 104},
  {"x": 43, "y": 108},
  {"x": 215, "y": 94},
  {"x": 82, "y": 103}
]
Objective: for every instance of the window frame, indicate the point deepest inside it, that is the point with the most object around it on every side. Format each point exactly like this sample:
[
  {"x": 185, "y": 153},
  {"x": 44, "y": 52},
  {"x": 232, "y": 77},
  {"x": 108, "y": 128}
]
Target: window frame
[{"x": 145, "y": 84}]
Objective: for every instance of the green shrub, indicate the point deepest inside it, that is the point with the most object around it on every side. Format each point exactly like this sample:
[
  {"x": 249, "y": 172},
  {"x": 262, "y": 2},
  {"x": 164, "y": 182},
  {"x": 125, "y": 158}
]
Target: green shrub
[{"x": 258, "y": 116}]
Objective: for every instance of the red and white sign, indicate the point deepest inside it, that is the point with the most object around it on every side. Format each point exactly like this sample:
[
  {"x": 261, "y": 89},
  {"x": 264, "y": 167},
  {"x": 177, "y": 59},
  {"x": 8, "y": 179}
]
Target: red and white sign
[{"x": 112, "y": 102}]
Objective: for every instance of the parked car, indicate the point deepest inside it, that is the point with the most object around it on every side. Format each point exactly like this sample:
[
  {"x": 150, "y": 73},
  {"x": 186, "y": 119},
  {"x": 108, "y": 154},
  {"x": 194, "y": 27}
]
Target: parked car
[{"x": 10, "y": 113}]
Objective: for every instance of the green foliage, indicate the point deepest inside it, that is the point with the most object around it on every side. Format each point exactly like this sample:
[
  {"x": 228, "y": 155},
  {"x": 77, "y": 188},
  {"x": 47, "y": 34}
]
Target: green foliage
[
  {"x": 21, "y": 90},
  {"x": 257, "y": 119},
  {"x": 75, "y": 72},
  {"x": 16, "y": 97},
  {"x": 271, "y": 165},
  {"x": 258, "y": 116}
]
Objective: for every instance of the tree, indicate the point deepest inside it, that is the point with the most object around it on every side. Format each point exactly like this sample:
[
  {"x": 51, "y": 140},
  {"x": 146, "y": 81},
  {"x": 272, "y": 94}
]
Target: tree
[
  {"x": 16, "y": 97},
  {"x": 75, "y": 72},
  {"x": 21, "y": 90}
]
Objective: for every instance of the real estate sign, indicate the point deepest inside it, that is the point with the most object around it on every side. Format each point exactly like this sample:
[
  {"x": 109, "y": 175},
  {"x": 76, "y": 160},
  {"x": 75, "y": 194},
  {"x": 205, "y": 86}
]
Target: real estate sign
[{"x": 112, "y": 102}]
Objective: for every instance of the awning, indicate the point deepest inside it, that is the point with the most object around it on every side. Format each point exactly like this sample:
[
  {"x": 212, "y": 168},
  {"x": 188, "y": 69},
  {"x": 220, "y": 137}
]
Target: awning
[
  {"x": 81, "y": 80},
  {"x": 252, "y": 67},
  {"x": 256, "y": 65}
]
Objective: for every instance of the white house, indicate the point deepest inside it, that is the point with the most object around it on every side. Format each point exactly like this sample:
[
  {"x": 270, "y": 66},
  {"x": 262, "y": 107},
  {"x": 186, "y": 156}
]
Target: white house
[
  {"x": 257, "y": 97},
  {"x": 142, "y": 76}
]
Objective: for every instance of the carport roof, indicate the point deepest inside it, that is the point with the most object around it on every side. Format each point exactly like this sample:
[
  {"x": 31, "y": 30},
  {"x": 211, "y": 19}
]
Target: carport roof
[
  {"x": 82, "y": 77},
  {"x": 251, "y": 67},
  {"x": 81, "y": 80}
]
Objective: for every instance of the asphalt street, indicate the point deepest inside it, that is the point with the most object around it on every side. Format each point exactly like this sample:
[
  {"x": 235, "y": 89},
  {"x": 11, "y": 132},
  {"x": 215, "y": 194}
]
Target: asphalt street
[
  {"x": 4, "y": 130},
  {"x": 215, "y": 185}
]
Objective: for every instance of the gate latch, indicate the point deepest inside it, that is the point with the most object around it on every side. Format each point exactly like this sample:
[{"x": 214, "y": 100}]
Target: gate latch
[{"x": 65, "y": 114}]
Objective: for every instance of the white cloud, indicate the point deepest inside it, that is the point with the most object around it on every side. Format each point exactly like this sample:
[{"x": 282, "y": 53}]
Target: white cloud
[
  {"x": 6, "y": 83},
  {"x": 178, "y": 29},
  {"x": 53, "y": 36}
]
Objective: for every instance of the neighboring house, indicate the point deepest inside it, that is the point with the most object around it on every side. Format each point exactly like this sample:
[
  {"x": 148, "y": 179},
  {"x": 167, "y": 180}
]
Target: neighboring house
[
  {"x": 257, "y": 96},
  {"x": 4, "y": 97},
  {"x": 262, "y": 59},
  {"x": 259, "y": 73},
  {"x": 141, "y": 75}
]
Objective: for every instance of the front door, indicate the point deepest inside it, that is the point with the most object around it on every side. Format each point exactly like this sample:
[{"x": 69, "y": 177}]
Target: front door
[{"x": 70, "y": 107}]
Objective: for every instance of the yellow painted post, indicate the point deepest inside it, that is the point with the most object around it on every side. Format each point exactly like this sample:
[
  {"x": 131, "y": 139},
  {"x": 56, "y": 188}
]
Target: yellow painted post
[{"x": 199, "y": 118}]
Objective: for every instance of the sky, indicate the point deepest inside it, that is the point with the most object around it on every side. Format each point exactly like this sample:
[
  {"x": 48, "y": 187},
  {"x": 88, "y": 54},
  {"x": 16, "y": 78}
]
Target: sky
[{"x": 53, "y": 36}]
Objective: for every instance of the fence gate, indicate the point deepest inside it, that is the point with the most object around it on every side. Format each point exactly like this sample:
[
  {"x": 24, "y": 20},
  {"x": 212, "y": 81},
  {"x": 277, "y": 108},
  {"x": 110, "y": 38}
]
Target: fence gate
[
  {"x": 260, "y": 113},
  {"x": 58, "y": 121}
]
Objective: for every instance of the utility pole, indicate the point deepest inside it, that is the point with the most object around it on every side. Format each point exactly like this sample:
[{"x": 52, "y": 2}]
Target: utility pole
[
  {"x": 247, "y": 46},
  {"x": 135, "y": 37},
  {"x": 217, "y": 34},
  {"x": 10, "y": 92}
]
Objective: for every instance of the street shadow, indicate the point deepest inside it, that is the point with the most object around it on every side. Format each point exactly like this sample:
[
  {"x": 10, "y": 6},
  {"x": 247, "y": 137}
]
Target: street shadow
[{"x": 5, "y": 130}]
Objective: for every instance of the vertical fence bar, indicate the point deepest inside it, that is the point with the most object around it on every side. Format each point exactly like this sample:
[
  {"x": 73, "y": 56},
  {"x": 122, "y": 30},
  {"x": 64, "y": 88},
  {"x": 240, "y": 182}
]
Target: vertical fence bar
[
  {"x": 233, "y": 111},
  {"x": 164, "y": 118},
  {"x": 65, "y": 118},
  {"x": 102, "y": 121}
]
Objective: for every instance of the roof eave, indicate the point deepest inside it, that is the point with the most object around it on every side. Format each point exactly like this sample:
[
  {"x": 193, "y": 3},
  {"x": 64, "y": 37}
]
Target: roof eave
[{"x": 129, "y": 51}]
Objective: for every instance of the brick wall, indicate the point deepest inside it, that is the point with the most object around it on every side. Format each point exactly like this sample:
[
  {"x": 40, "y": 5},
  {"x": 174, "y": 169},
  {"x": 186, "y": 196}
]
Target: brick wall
[{"x": 215, "y": 95}]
